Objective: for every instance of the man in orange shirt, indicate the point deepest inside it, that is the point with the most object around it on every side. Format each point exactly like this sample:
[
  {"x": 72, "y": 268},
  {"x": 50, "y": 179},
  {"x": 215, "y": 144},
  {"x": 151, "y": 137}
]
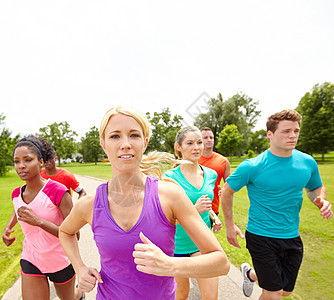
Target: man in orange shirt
[
  {"x": 215, "y": 161},
  {"x": 59, "y": 174}
]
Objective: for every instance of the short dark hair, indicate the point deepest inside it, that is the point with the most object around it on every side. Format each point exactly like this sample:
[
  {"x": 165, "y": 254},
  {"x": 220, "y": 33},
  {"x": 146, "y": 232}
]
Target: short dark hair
[
  {"x": 206, "y": 129},
  {"x": 286, "y": 114}
]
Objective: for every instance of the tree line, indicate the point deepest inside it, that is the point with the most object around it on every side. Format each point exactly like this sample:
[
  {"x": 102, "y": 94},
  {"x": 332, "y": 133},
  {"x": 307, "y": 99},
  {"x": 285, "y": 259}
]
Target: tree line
[{"x": 232, "y": 122}]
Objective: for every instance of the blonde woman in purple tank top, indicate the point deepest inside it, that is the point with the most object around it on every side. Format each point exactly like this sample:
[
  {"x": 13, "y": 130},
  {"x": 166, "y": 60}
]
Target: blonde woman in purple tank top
[{"x": 142, "y": 255}]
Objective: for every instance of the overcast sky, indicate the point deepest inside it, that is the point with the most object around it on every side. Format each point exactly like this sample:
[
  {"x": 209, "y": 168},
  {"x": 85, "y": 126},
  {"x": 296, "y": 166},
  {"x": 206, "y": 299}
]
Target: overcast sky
[{"x": 72, "y": 60}]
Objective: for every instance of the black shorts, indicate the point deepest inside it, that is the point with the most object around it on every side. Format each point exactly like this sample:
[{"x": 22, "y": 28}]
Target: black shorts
[
  {"x": 276, "y": 261},
  {"x": 184, "y": 255},
  {"x": 60, "y": 277}
]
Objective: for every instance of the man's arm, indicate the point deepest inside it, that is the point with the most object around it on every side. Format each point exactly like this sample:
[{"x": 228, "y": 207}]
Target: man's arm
[
  {"x": 227, "y": 170},
  {"x": 232, "y": 231},
  {"x": 319, "y": 198}
]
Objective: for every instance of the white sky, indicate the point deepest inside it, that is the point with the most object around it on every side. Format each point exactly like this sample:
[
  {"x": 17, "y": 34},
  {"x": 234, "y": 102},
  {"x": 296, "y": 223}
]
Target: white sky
[{"x": 72, "y": 60}]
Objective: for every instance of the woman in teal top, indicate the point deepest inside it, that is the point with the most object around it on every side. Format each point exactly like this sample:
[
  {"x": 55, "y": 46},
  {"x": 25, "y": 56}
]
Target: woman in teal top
[{"x": 198, "y": 182}]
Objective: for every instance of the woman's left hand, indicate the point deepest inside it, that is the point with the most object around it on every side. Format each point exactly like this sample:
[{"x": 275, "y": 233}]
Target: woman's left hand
[
  {"x": 217, "y": 225},
  {"x": 28, "y": 216},
  {"x": 150, "y": 259}
]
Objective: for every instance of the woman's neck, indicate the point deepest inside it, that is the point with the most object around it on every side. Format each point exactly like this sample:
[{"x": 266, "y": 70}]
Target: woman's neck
[
  {"x": 127, "y": 189},
  {"x": 35, "y": 184},
  {"x": 190, "y": 167}
]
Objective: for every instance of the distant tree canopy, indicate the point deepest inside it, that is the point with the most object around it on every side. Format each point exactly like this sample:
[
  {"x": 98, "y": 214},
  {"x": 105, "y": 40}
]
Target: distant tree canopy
[
  {"x": 6, "y": 146},
  {"x": 317, "y": 126},
  {"x": 240, "y": 110},
  {"x": 229, "y": 140},
  {"x": 164, "y": 128},
  {"x": 316, "y": 136},
  {"x": 90, "y": 147},
  {"x": 61, "y": 137},
  {"x": 259, "y": 141}
]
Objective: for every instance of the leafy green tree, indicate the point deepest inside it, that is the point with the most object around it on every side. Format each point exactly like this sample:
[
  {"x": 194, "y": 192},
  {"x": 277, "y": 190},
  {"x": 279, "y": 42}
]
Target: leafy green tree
[
  {"x": 259, "y": 141},
  {"x": 240, "y": 110},
  {"x": 6, "y": 147},
  {"x": 61, "y": 137},
  {"x": 229, "y": 140},
  {"x": 250, "y": 153},
  {"x": 164, "y": 128},
  {"x": 91, "y": 149},
  {"x": 317, "y": 126}
]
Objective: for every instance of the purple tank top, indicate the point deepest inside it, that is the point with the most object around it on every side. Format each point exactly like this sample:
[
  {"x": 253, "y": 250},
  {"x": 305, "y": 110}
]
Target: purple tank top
[{"x": 121, "y": 279}]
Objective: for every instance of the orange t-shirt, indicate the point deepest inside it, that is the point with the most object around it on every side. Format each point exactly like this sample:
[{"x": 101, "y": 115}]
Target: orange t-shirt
[
  {"x": 63, "y": 176},
  {"x": 216, "y": 162}
]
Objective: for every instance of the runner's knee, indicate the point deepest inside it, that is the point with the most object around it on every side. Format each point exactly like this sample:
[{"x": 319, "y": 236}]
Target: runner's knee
[{"x": 271, "y": 295}]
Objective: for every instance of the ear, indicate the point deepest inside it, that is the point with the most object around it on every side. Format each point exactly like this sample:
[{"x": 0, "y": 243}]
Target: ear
[
  {"x": 178, "y": 147},
  {"x": 102, "y": 144},
  {"x": 145, "y": 144},
  {"x": 269, "y": 134}
]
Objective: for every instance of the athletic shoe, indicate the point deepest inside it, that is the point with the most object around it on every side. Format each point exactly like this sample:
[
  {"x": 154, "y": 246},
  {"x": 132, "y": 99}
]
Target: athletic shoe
[{"x": 247, "y": 284}]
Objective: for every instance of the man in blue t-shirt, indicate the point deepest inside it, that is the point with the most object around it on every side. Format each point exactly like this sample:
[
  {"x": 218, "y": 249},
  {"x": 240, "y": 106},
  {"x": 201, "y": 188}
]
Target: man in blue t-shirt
[{"x": 275, "y": 181}]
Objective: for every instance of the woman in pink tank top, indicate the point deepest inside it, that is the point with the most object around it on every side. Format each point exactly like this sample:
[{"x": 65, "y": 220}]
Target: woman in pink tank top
[
  {"x": 137, "y": 259},
  {"x": 40, "y": 206}
]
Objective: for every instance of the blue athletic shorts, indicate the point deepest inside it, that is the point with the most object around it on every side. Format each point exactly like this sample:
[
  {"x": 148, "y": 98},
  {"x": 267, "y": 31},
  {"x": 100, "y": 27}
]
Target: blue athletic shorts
[{"x": 60, "y": 277}]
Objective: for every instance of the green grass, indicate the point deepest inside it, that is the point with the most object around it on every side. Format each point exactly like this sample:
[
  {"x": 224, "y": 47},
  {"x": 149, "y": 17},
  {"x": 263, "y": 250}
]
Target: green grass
[
  {"x": 100, "y": 170},
  {"x": 9, "y": 256},
  {"x": 316, "y": 276}
]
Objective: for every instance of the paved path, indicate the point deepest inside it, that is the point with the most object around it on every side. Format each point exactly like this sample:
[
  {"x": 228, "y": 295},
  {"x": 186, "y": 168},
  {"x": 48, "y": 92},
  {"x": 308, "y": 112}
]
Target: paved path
[{"x": 229, "y": 286}]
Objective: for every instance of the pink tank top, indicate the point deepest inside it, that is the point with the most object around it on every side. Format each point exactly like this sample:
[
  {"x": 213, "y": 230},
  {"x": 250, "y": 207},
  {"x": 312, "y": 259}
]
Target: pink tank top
[
  {"x": 121, "y": 279},
  {"x": 41, "y": 248}
]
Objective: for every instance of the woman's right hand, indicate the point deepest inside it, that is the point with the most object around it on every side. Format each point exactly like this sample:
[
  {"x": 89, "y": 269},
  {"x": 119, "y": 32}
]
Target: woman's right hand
[
  {"x": 203, "y": 204},
  {"x": 87, "y": 278},
  {"x": 6, "y": 237}
]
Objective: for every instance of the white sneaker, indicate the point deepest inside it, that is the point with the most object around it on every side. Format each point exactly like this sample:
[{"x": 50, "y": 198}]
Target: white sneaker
[{"x": 247, "y": 284}]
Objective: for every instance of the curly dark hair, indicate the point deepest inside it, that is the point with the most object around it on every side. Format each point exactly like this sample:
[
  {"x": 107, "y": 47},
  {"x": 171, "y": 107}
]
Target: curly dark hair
[{"x": 50, "y": 153}]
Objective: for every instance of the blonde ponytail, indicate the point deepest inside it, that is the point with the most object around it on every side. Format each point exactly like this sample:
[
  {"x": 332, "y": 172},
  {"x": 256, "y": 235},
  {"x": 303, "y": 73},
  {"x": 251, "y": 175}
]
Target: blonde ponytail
[{"x": 152, "y": 164}]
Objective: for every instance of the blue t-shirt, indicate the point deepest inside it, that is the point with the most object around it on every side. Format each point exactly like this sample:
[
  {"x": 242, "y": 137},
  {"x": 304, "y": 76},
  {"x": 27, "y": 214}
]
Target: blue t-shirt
[
  {"x": 183, "y": 243},
  {"x": 275, "y": 190}
]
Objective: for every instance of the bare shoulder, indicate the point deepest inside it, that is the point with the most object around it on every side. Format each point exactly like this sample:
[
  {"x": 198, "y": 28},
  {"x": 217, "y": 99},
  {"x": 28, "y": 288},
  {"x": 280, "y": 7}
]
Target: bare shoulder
[
  {"x": 84, "y": 207},
  {"x": 170, "y": 189},
  {"x": 170, "y": 195}
]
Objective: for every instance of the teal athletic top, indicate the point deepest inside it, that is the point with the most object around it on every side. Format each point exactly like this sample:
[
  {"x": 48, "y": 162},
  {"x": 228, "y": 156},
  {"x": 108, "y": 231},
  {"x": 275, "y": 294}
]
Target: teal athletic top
[
  {"x": 183, "y": 243},
  {"x": 275, "y": 190}
]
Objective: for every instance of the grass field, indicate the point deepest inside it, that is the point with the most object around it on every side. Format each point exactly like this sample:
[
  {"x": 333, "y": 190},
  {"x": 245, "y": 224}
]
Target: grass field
[
  {"x": 316, "y": 277},
  {"x": 9, "y": 256}
]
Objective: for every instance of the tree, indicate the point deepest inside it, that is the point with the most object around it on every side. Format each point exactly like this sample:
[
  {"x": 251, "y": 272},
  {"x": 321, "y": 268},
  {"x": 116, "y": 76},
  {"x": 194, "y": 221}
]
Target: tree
[
  {"x": 6, "y": 147},
  {"x": 317, "y": 126},
  {"x": 259, "y": 141},
  {"x": 229, "y": 140},
  {"x": 164, "y": 128},
  {"x": 239, "y": 110},
  {"x": 61, "y": 137},
  {"x": 91, "y": 149}
]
